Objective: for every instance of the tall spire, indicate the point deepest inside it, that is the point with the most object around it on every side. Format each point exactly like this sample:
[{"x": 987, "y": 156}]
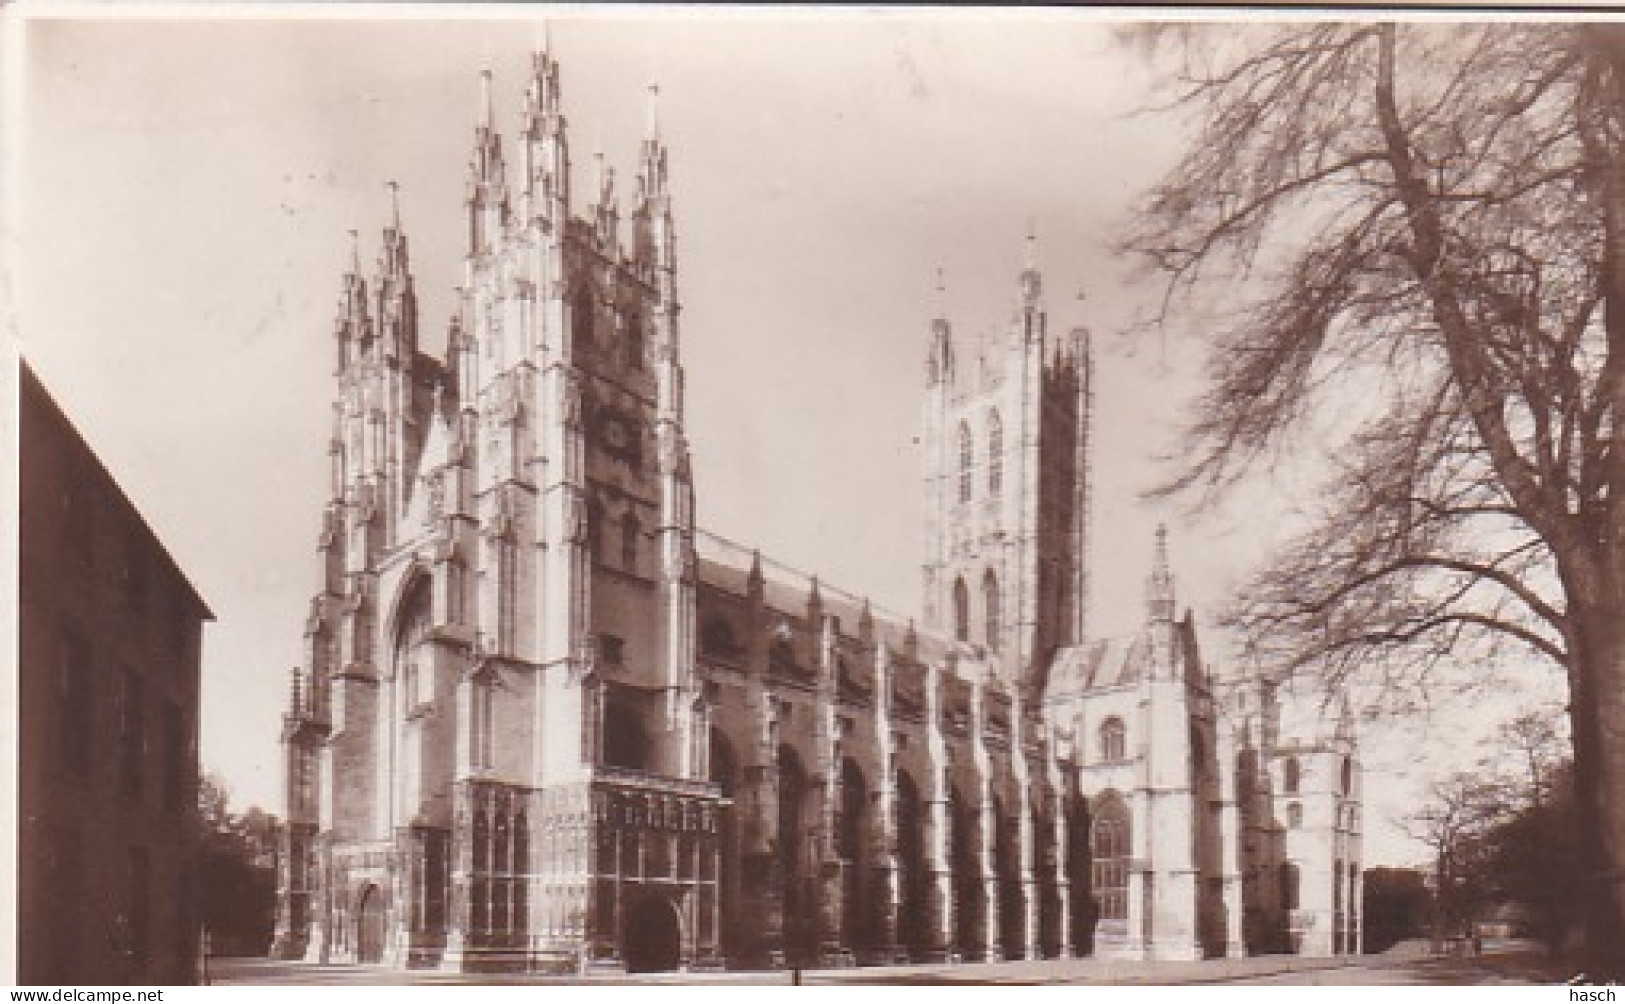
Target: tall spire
[
  {"x": 397, "y": 301},
  {"x": 393, "y": 259},
  {"x": 652, "y": 158},
  {"x": 545, "y": 160},
  {"x": 352, "y": 329},
  {"x": 654, "y": 241},
  {"x": 488, "y": 190}
]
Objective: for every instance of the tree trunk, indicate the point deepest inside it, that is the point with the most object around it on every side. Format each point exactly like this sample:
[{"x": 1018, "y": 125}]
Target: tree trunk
[
  {"x": 1597, "y": 663},
  {"x": 1597, "y": 716}
]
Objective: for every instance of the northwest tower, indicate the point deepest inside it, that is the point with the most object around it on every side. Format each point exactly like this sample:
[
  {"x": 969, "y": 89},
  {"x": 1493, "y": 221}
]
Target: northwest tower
[{"x": 505, "y": 625}]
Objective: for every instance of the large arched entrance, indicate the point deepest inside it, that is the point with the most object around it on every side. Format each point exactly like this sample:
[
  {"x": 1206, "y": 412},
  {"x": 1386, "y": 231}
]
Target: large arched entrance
[
  {"x": 653, "y": 937},
  {"x": 369, "y": 926}
]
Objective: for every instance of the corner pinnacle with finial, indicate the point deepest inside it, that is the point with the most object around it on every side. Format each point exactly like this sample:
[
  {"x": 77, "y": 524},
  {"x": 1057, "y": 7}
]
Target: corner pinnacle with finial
[
  {"x": 394, "y": 204},
  {"x": 487, "y": 116},
  {"x": 1160, "y": 593}
]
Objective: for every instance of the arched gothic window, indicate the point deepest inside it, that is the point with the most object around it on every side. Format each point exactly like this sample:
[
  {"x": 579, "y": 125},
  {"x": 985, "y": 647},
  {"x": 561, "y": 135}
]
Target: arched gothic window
[
  {"x": 409, "y": 651},
  {"x": 1110, "y": 851},
  {"x": 781, "y": 656},
  {"x": 961, "y": 610},
  {"x": 595, "y": 530},
  {"x": 1113, "y": 740},
  {"x": 990, "y": 603},
  {"x": 1294, "y": 815},
  {"x": 1291, "y": 776},
  {"x": 581, "y": 308},
  {"x": 1289, "y": 886},
  {"x": 717, "y": 639},
  {"x": 995, "y": 454},
  {"x": 967, "y": 462},
  {"x": 634, "y": 341}
]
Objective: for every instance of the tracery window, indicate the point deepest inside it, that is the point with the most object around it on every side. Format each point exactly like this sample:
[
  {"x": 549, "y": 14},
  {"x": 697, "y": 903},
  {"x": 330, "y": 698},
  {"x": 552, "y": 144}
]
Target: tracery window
[
  {"x": 990, "y": 604},
  {"x": 1109, "y": 846},
  {"x": 961, "y": 610}
]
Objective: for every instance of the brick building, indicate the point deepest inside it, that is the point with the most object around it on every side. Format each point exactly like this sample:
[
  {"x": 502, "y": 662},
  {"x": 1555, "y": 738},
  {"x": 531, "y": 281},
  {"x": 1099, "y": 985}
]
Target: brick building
[
  {"x": 110, "y": 643},
  {"x": 545, "y": 721}
]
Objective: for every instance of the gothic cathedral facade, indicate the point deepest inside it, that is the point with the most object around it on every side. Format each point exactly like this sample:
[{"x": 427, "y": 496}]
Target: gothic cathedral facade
[{"x": 544, "y": 721}]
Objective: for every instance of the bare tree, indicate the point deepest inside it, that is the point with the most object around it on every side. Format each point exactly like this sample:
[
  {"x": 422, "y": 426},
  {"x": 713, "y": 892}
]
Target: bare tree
[
  {"x": 1428, "y": 226},
  {"x": 1458, "y": 816},
  {"x": 1534, "y": 738}
]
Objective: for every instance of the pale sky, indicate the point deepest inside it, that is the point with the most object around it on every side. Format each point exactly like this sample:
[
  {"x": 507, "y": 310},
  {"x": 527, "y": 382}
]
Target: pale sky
[{"x": 180, "y": 225}]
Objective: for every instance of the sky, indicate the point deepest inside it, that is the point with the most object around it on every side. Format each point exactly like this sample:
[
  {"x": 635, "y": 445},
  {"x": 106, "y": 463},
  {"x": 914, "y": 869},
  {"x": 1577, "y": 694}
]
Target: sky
[{"x": 181, "y": 216}]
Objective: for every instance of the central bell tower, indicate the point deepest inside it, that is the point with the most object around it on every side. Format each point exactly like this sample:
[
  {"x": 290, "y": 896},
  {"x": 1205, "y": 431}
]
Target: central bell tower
[{"x": 1005, "y": 439}]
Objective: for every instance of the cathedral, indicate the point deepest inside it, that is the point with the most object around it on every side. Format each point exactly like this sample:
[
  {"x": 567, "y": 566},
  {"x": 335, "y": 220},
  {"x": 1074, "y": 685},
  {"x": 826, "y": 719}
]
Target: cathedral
[{"x": 546, "y": 722}]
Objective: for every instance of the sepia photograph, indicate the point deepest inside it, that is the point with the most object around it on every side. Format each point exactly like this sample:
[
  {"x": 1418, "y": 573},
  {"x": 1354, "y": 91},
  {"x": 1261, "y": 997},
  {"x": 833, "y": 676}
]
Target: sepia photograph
[{"x": 572, "y": 494}]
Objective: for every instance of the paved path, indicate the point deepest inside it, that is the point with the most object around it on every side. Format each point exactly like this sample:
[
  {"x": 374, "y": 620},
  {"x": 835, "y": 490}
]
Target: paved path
[{"x": 1511, "y": 966}]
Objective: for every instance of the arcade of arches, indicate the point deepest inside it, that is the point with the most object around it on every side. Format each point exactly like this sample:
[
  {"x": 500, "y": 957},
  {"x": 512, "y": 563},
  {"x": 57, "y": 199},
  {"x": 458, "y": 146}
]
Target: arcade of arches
[{"x": 852, "y": 873}]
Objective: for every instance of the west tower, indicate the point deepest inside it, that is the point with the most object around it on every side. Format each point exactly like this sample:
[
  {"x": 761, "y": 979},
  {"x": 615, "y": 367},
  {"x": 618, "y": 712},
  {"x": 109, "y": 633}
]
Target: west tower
[{"x": 500, "y": 663}]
